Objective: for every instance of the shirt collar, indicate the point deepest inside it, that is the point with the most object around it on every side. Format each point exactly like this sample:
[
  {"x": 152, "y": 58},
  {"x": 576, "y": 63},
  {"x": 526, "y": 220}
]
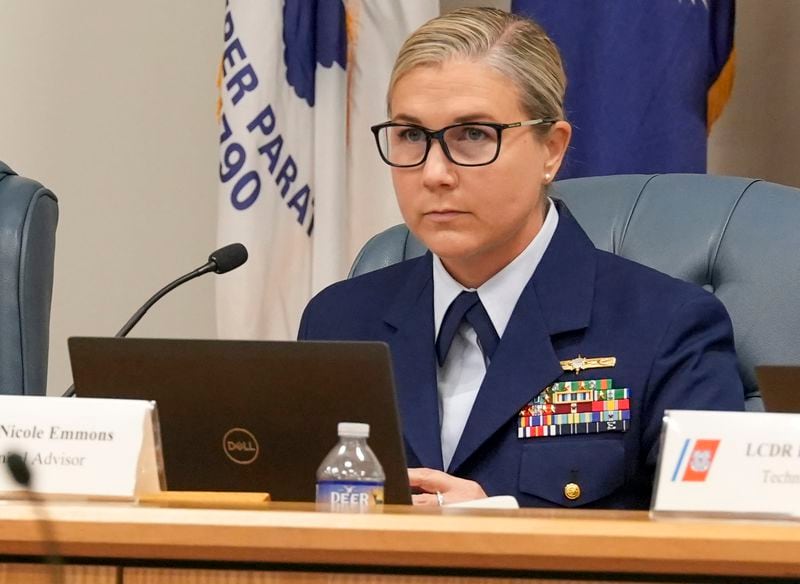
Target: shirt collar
[{"x": 500, "y": 293}]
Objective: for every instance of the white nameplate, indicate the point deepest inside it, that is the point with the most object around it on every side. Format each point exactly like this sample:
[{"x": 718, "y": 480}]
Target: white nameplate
[
  {"x": 81, "y": 446},
  {"x": 739, "y": 463}
]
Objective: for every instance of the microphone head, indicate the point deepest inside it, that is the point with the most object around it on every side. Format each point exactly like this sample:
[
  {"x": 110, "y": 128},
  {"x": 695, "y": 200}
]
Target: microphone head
[
  {"x": 19, "y": 469},
  {"x": 228, "y": 258}
]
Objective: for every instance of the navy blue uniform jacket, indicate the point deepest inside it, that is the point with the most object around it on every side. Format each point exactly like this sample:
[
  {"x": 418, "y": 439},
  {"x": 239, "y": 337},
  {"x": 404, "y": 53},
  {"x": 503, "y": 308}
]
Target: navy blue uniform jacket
[{"x": 673, "y": 344}]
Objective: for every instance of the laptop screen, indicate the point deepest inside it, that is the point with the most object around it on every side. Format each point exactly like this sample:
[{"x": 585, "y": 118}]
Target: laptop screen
[
  {"x": 780, "y": 387},
  {"x": 251, "y": 415}
]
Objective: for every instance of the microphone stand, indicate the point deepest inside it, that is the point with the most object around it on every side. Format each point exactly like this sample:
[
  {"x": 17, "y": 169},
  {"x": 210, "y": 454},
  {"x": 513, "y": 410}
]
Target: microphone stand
[
  {"x": 137, "y": 316},
  {"x": 22, "y": 476},
  {"x": 223, "y": 260}
]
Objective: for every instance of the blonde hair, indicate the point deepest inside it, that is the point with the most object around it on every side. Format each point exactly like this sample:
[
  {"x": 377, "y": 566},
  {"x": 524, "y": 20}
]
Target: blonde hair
[{"x": 514, "y": 46}]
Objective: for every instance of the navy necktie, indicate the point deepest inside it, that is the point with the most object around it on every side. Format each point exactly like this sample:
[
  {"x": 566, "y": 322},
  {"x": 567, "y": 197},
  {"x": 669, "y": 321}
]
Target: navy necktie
[{"x": 467, "y": 306}]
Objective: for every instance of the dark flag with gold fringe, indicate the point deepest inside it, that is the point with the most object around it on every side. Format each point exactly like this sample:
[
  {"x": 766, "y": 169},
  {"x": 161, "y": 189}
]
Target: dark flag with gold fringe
[{"x": 646, "y": 79}]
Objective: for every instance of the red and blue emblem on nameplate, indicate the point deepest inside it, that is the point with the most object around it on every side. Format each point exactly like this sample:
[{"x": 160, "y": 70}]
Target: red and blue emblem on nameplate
[{"x": 588, "y": 406}]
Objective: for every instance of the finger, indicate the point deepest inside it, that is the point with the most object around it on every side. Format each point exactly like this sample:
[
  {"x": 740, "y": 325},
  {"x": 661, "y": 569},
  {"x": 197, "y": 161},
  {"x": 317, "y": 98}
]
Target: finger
[
  {"x": 429, "y": 479},
  {"x": 425, "y": 500}
]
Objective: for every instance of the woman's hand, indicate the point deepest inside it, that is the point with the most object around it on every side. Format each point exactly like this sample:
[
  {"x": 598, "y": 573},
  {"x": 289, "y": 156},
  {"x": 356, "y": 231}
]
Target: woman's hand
[{"x": 450, "y": 489}]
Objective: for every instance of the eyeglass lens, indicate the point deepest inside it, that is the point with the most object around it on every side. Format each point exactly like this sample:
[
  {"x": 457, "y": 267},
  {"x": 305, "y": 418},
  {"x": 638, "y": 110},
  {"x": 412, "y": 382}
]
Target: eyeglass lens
[{"x": 467, "y": 144}]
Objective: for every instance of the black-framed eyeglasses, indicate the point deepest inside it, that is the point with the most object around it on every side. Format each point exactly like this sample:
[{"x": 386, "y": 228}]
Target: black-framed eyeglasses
[{"x": 466, "y": 144}]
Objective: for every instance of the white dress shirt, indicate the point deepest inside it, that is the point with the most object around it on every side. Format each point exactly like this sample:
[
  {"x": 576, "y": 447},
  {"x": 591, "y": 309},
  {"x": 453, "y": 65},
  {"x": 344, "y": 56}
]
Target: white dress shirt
[{"x": 461, "y": 375}]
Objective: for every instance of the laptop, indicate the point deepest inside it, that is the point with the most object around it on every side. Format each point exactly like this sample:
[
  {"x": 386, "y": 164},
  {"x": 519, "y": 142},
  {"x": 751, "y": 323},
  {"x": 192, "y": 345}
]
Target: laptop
[
  {"x": 251, "y": 415},
  {"x": 780, "y": 387}
]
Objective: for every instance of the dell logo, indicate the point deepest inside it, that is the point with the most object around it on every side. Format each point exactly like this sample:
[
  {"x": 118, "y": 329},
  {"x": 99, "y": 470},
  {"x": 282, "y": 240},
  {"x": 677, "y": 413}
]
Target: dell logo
[{"x": 240, "y": 446}]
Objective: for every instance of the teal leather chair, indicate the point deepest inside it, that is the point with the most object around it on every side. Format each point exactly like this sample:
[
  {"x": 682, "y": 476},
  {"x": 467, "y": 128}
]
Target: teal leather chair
[
  {"x": 737, "y": 237},
  {"x": 28, "y": 219}
]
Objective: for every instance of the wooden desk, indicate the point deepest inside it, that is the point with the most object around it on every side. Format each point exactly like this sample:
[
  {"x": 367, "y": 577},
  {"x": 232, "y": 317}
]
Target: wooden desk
[{"x": 293, "y": 543}]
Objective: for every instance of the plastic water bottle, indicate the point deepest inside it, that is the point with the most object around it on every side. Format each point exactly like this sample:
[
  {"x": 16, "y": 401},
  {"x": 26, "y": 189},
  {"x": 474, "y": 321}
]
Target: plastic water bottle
[{"x": 350, "y": 477}]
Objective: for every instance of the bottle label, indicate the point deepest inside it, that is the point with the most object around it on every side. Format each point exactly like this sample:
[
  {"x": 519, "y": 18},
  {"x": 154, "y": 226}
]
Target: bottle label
[{"x": 349, "y": 496}]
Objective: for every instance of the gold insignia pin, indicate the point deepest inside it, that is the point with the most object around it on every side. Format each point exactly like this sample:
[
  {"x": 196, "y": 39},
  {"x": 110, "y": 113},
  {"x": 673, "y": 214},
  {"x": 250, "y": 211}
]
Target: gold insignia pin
[{"x": 579, "y": 363}]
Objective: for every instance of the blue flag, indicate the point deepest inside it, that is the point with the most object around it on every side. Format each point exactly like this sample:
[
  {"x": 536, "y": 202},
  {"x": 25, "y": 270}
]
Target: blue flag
[{"x": 646, "y": 79}]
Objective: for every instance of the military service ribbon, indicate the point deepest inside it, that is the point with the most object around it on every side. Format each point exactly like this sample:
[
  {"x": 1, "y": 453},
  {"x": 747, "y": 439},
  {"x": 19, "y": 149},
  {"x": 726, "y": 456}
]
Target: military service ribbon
[{"x": 587, "y": 406}]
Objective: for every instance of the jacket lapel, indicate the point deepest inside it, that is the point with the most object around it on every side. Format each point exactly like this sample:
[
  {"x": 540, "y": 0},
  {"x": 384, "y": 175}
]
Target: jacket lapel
[
  {"x": 557, "y": 299},
  {"x": 412, "y": 346}
]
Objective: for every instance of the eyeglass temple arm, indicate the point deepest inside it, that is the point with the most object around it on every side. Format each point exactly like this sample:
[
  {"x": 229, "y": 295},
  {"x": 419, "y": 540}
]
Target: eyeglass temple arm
[{"x": 531, "y": 123}]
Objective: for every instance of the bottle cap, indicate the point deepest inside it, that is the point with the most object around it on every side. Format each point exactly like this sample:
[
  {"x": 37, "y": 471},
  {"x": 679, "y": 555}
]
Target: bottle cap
[{"x": 353, "y": 429}]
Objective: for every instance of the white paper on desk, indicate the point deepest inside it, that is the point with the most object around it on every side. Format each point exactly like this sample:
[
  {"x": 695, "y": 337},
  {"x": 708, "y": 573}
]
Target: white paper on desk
[{"x": 498, "y": 502}]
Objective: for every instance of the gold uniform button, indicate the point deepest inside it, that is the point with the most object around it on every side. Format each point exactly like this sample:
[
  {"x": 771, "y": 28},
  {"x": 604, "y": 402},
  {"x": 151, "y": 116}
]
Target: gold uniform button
[{"x": 572, "y": 491}]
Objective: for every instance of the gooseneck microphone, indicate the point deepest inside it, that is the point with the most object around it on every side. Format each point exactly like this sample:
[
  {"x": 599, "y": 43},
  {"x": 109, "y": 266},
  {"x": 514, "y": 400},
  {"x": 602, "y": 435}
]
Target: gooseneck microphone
[
  {"x": 223, "y": 260},
  {"x": 19, "y": 470},
  {"x": 22, "y": 476}
]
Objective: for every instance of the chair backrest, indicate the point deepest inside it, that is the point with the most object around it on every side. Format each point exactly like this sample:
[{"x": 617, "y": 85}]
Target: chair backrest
[
  {"x": 738, "y": 238},
  {"x": 28, "y": 218}
]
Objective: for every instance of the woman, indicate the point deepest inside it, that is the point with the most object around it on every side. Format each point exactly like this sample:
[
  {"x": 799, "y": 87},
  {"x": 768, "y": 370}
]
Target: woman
[{"x": 527, "y": 362}]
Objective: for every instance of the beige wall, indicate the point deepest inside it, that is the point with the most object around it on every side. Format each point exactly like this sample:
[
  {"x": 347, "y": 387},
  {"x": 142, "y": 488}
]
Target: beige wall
[
  {"x": 758, "y": 133},
  {"x": 110, "y": 103}
]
